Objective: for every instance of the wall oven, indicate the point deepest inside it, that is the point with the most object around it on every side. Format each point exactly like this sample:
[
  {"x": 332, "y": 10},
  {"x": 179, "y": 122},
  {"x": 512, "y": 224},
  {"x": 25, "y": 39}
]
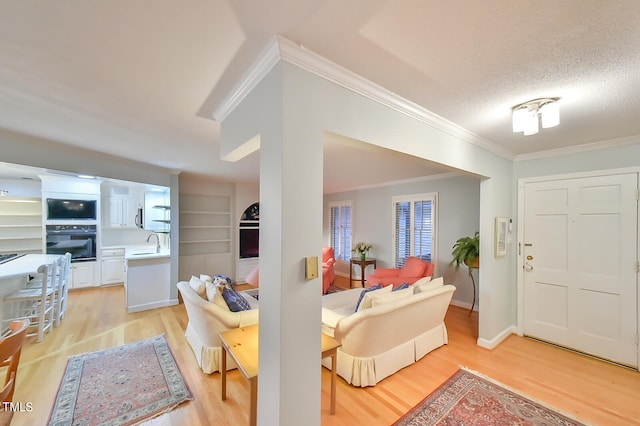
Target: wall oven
[{"x": 79, "y": 240}]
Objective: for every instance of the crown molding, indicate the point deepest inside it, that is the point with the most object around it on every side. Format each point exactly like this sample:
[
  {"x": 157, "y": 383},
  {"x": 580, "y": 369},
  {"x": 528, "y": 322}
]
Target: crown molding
[
  {"x": 610, "y": 143},
  {"x": 280, "y": 48},
  {"x": 267, "y": 59}
]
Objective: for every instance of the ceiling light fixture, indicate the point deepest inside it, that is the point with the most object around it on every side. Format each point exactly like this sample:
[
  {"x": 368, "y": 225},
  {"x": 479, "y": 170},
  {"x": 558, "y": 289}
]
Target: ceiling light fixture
[{"x": 525, "y": 116}]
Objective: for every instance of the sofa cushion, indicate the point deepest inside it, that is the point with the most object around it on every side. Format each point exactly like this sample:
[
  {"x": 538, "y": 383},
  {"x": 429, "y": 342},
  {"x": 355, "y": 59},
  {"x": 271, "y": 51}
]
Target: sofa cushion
[
  {"x": 198, "y": 286},
  {"x": 413, "y": 267},
  {"x": 234, "y": 300},
  {"x": 365, "y": 291},
  {"x": 366, "y": 301},
  {"x": 426, "y": 285},
  {"x": 384, "y": 298}
]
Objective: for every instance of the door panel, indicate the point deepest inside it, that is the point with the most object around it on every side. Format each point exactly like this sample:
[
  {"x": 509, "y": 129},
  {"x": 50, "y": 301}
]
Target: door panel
[{"x": 580, "y": 287}]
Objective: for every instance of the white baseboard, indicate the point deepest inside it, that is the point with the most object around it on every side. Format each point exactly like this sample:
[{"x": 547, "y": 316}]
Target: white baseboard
[
  {"x": 493, "y": 343},
  {"x": 464, "y": 305}
]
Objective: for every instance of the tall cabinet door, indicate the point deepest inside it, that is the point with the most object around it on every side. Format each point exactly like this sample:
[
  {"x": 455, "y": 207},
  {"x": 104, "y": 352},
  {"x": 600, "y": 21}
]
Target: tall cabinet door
[{"x": 580, "y": 261}]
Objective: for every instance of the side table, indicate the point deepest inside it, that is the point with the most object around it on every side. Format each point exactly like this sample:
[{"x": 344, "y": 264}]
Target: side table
[{"x": 363, "y": 264}]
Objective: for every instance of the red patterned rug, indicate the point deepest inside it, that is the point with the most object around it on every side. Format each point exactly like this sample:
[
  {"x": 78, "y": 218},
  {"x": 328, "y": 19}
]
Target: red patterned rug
[
  {"x": 468, "y": 398},
  {"x": 120, "y": 386}
]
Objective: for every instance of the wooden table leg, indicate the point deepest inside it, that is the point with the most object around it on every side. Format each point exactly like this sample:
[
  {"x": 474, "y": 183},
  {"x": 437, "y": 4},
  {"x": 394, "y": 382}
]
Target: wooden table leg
[
  {"x": 223, "y": 374},
  {"x": 334, "y": 369},
  {"x": 253, "y": 412}
]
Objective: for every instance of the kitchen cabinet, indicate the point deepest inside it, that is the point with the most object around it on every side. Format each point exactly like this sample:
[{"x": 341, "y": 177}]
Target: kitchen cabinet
[
  {"x": 121, "y": 207},
  {"x": 113, "y": 266},
  {"x": 82, "y": 274}
]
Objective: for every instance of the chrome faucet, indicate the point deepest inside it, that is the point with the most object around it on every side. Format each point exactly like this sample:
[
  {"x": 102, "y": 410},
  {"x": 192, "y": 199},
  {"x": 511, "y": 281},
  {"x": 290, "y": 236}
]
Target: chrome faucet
[{"x": 157, "y": 241}]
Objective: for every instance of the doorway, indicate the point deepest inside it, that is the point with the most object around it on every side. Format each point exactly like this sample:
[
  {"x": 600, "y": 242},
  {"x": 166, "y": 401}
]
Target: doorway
[{"x": 579, "y": 259}]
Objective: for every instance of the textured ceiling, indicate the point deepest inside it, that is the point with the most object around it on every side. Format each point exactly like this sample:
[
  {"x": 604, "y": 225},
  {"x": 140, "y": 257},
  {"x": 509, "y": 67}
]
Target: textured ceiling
[{"x": 141, "y": 79}]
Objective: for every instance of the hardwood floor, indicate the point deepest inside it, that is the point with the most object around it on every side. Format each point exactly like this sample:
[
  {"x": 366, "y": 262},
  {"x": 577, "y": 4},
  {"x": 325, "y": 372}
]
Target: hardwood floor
[{"x": 592, "y": 390}]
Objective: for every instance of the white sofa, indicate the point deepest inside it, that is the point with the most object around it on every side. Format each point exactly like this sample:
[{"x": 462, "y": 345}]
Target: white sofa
[
  {"x": 206, "y": 321},
  {"x": 378, "y": 341}
]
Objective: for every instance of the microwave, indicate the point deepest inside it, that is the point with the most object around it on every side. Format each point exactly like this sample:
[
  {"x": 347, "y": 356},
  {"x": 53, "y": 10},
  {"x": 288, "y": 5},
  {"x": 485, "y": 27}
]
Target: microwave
[{"x": 66, "y": 209}]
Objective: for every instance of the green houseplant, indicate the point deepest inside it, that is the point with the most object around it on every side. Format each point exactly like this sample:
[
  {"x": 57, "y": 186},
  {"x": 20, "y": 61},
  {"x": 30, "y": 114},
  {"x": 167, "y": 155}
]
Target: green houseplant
[{"x": 467, "y": 251}]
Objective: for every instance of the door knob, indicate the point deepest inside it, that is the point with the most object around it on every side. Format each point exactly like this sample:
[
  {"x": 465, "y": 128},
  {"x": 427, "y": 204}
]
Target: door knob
[{"x": 528, "y": 267}]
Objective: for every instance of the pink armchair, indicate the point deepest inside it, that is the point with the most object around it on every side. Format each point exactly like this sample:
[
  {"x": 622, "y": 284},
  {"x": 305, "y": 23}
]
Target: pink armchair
[
  {"x": 413, "y": 269},
  {"x": 328, "y": 273}
]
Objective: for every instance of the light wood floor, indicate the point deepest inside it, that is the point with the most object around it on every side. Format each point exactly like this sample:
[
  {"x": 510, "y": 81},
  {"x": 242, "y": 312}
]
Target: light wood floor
[{"x": 594, "y": 391}]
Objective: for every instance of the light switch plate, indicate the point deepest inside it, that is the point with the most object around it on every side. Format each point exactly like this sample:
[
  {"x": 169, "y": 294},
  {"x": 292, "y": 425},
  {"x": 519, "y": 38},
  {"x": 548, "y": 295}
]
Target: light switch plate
[{"x": 311, "y": 267}]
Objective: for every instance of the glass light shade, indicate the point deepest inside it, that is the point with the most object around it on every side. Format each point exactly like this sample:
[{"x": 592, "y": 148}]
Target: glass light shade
[
  {"x": 531, "y": 125},
  {"x": 550, "y": 113},
  {"x": 519, "y": 119}
]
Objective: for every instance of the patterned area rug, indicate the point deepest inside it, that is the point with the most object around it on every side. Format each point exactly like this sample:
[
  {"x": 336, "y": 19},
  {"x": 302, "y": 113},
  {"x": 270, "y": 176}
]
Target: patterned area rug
[
  {"x": 468, "y": 398},
  {"x": 120, "y": 386}
]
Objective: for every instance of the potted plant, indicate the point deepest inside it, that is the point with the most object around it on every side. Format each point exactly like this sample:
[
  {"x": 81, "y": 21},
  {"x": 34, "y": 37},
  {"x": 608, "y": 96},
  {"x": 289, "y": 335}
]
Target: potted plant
[{"x": 467, "y": 250}]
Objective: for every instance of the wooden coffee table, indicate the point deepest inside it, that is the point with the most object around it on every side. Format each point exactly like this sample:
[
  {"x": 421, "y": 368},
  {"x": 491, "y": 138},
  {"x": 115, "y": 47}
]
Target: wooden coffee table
[{"x": 242, "y": 345}]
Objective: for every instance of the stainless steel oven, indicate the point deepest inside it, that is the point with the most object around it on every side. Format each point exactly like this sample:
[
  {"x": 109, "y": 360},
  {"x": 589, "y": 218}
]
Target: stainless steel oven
[{"x": 79, "y": 240}]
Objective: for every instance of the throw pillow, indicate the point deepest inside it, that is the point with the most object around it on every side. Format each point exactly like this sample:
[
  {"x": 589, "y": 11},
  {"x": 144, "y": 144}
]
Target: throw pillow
[
  {"x": 401, "y": 287},
  {"x": 413, "y": 267},
  {"x": 381, "y": 299},
  {"x": 204, "y": 277},
  {"x": 198, "y": 286},
  {"x": 366, "y": 301},
  {"x": 214, "y": 295},
  {"x": 365, "y": 291},
  {"x": 235, "y": 301},
  {"x": 428, "y": 285},
  {"x": 224, "y": 280}
]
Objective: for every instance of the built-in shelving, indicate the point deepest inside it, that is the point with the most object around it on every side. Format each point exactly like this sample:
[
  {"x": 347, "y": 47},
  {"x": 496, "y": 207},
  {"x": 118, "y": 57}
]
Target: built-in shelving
[
  {"x": 205, "y": 224},
  {"x": 20, "y": 225}
]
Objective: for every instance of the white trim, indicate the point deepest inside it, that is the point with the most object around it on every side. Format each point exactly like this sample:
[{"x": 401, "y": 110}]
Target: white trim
[
  {"x": 464, "y": 305},
  {"x": 267, "y": 59},
  {"x": 280, "y": 48},
  {"x": 493, "y": 343},
  {"x": 611, "y": 143}
]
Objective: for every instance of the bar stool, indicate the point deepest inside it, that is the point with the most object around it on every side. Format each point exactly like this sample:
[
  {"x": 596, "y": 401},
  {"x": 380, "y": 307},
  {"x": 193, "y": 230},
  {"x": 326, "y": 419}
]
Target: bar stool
[{"x": 37, "y": 304}]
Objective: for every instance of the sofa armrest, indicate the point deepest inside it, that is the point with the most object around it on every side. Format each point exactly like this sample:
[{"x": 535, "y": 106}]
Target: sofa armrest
[
  {"x": 249, "y": 317},
  {"x": 329, "y": 262}
]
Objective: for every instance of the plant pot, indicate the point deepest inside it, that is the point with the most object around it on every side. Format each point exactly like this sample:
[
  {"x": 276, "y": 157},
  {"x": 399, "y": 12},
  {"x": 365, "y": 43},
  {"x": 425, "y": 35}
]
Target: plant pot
[{"x": 475, "y": 264}]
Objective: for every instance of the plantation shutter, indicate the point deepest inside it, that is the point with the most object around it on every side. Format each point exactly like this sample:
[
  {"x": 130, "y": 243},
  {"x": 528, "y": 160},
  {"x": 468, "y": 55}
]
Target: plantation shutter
[
  {"x": 414, "y": 228},
  {"x": 341, "y": 230}
]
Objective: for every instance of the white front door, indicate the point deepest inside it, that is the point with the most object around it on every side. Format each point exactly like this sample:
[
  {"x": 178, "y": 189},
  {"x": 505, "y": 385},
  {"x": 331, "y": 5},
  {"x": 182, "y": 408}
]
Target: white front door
[{"x": 580, "y": 263}]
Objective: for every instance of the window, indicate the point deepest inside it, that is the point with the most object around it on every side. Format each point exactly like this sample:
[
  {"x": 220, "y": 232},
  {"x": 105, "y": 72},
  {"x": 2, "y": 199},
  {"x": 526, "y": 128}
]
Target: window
[
  {"x": 414, "y": 225},
  {"x": 340, "y": 214}
]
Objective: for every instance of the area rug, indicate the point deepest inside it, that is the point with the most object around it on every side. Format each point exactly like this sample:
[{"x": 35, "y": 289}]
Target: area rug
[
  {"x": 120, "y": 386},
  {"x": 469, "y": 398}
]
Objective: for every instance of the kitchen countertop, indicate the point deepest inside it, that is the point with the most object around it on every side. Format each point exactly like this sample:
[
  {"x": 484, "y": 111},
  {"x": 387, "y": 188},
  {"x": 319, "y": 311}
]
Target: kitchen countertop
[
  {"x": 140, "y": 251},
  {"x": 27, "y": 264}
]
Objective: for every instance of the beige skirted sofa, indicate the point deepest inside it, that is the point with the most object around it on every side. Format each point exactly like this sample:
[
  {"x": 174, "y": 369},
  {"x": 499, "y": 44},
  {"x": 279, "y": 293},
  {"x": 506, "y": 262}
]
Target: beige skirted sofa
[
  {"x": 394, "y": 330},
  {"x": 207, "y": 319}
]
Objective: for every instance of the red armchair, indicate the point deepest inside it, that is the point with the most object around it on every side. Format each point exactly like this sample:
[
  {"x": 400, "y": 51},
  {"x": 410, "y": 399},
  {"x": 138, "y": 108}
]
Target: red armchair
[
  {"x": 413, "y": 269},
  {"x": 328, "y": 273}
]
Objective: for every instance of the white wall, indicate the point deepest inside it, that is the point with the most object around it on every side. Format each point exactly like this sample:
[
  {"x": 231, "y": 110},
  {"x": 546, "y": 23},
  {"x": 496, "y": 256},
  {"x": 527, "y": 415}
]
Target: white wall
[
  {"x": 291, "y": 109},
  {"x": 458, "y": 215}
]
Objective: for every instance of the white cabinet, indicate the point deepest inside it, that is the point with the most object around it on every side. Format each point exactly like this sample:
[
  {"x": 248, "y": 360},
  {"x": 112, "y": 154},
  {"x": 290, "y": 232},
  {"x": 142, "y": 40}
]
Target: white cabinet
[
  {"x": 82, "y": 274},
  {"x": 121, "y": 206},
  {"x": 113, "y": 269}
]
